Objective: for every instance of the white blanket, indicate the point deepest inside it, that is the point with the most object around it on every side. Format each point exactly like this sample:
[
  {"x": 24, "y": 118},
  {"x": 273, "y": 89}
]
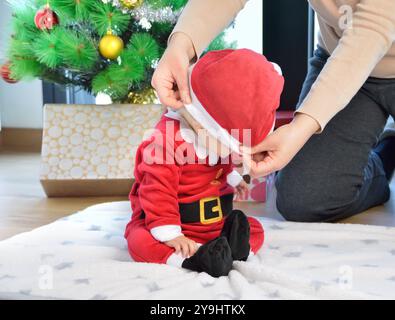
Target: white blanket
[{"x": 84, "y": 256}]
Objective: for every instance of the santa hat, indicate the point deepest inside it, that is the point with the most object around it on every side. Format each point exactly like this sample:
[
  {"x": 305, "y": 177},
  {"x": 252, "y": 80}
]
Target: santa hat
[{"x": 235, "y": 90}]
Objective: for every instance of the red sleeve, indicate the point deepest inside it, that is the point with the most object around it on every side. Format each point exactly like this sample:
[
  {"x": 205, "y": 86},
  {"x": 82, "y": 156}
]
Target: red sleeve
[{"x": 158, "y": 189}]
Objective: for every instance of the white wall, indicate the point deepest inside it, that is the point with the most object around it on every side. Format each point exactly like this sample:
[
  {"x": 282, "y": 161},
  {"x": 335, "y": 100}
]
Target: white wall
[
  {"x": 248, "y": 30},
  {"x": 20, "y": 103}
]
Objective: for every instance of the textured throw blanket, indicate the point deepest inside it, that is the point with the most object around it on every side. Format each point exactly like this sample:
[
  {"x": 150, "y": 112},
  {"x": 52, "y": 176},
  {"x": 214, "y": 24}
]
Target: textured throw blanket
[{"x": 84, "y": 256}]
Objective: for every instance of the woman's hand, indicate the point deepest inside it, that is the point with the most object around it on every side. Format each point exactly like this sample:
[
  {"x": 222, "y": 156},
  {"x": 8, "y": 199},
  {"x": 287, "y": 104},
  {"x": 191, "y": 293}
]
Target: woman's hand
[
  {"x": 170, "y": 78},
  {"x": 279, "y": 148},
  {"x": 183, "y": 245}
]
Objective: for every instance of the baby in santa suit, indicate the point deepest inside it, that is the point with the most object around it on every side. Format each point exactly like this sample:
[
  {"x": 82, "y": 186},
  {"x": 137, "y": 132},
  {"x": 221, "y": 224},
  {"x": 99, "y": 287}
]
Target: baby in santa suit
[{"x": 183, "y": 190}]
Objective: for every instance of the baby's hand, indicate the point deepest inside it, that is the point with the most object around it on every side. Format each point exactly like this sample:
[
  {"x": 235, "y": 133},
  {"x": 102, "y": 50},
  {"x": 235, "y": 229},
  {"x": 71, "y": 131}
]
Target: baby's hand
[
  {"x": 241, "y": 190},
  {"x": 183, "y": 245}
]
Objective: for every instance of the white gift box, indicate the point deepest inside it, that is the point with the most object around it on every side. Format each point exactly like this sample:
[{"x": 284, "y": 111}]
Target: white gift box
[{"x": 89, "y": 150}]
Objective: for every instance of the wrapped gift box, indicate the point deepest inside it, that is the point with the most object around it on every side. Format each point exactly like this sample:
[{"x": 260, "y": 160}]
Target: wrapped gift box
[{"x": 89, "y": 150}]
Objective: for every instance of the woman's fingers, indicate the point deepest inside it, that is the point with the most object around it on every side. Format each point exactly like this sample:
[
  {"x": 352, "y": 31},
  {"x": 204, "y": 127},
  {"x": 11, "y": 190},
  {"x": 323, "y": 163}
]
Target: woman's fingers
[
  {"x": 165, "y": 97},
  {"x": 170, "y": 78},
  {"x": 263, "y": 168},
  {"x": 166, "y": 92},
  {"x": 260, "y": 160},
  {"x": 183, "y": 86},
  {"x": 169, "y": 96}
]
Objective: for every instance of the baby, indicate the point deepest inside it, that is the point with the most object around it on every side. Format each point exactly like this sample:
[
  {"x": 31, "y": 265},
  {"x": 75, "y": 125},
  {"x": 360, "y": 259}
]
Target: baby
[{"x": 182, "y": 198}]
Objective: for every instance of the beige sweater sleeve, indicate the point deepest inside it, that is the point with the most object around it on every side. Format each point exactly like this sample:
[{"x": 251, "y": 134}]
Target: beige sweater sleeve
[
  {"x": 358, "y": 52},
  {"x": 203, "y": 20}
]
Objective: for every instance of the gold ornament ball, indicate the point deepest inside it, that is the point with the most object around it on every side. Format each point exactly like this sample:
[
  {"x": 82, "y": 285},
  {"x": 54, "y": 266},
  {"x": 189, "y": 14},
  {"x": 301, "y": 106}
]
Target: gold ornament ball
[
  {"x": 111, "y": 46},
  {"x": 131, "y": 4}
]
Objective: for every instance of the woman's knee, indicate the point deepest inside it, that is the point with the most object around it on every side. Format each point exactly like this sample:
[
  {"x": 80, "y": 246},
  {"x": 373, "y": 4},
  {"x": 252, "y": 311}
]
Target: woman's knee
[
  {"x": 291, "y": 202},
  {"x": 311, "y": 199},
  {"x": 293, "y": 210}
]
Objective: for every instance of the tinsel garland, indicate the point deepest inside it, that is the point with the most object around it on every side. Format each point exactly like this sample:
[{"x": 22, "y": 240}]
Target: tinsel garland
[{"x": 146, "y": 12}]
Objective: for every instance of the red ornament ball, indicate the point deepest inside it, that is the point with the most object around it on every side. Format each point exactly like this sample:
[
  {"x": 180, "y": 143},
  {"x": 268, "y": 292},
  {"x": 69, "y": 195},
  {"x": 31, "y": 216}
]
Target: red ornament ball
[
  {"x": 46, "y": 18},
  {"x": 6, "y": 73}
]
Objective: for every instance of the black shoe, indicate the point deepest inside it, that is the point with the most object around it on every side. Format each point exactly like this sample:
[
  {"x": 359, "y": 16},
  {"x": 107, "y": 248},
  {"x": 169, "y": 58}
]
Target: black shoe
[
  {"x": 385, "y": 149},
  {"x": 214, "y": 257},
  {"x": 237, "y": 231}
]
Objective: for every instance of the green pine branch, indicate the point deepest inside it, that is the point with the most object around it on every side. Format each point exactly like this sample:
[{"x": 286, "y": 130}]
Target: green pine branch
[
  {"x": 68, "y": 54},
  {"x": 144, "y": 47},
  {"x": 78, "y": 50},
  {"x": 106, "y": 15},
  {"x": 74, "y": 9}
]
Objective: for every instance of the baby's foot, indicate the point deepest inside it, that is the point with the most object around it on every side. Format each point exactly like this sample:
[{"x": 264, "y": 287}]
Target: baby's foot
[
  {"x": 236, "y": 229},
  {"x": 214, "y": 257}
]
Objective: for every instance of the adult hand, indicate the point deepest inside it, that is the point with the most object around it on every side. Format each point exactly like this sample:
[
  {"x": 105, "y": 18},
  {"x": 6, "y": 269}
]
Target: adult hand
[
  {"x": 280, "y": 147},
  {"x": 170, "y": 78}
]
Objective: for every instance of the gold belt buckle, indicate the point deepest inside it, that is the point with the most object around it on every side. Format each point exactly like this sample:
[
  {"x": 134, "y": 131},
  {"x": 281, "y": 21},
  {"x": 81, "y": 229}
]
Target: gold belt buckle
[{"x": 216, "y": 209}]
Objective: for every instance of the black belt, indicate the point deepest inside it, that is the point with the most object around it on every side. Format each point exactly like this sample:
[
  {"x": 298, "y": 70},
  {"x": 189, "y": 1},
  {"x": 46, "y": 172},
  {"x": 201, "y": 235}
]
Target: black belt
[{"x": 207, "y": 210}]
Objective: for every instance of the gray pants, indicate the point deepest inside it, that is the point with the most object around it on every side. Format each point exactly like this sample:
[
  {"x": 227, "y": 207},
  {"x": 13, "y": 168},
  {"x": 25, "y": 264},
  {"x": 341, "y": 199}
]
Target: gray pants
[{"x": 336, "y": 174}]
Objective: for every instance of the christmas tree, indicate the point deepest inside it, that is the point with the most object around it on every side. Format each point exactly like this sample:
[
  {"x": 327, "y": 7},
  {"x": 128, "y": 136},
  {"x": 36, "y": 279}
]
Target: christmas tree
[{"x": 106, "y": 46}]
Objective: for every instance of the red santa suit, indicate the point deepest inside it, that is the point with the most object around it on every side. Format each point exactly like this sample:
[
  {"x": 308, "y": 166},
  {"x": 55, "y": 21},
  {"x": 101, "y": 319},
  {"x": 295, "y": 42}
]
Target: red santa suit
[
  {"x": 166, "y": 185},
  {"x": 160, "y": 188}
]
